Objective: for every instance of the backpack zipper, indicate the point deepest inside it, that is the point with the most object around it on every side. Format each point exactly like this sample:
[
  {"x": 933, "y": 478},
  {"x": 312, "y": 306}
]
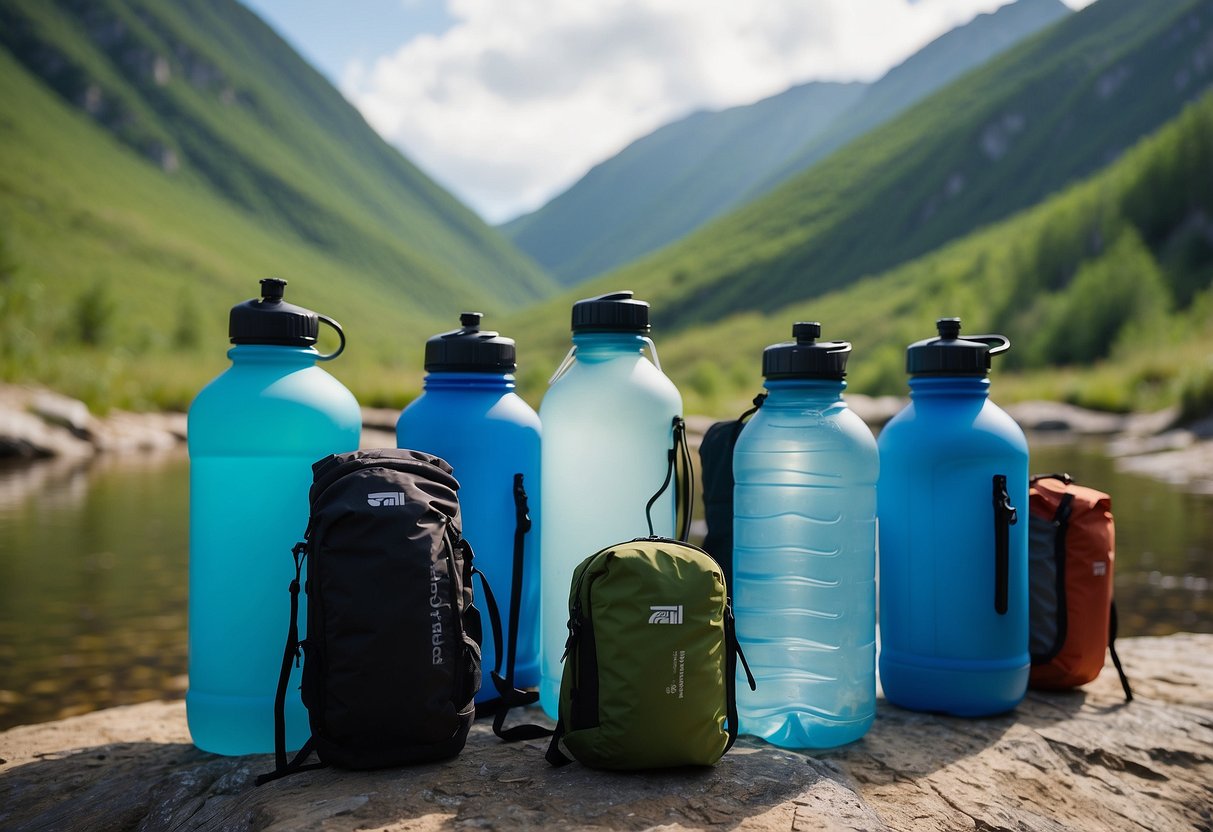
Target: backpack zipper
[{"x": 581, "y": 648}]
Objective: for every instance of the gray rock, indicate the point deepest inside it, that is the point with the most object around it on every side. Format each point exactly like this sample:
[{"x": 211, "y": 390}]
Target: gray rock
[{"x": 1077, "y": 760}]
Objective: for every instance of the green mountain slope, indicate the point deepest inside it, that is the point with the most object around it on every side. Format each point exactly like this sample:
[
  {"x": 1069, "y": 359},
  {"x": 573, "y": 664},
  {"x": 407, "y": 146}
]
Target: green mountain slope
[
  {"x": 1105, "y": 290},
  {"x": 1050, "y": 111},
  {"x": 671, "y": 181},
  {"x": 674, "y": 180},
  {"x": 926, "y": 71},
  {"x": 160, "y": 157}
]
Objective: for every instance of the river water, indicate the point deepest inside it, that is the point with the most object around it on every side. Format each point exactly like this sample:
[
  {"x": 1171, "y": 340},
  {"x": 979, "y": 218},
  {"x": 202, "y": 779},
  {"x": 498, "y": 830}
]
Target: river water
[{"x": 93, "y": 565}]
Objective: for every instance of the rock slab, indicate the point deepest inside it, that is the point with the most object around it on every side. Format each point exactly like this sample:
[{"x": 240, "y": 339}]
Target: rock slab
[{"x": 1077, "y": 760}]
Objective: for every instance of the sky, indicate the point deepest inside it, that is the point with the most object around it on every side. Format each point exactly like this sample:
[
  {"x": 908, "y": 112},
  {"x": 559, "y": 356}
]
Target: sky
[{"x": 506, "y": 103}]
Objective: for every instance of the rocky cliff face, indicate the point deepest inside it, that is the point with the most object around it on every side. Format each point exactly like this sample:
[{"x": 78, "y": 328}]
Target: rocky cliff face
[{"x": 1080, "y": 760}]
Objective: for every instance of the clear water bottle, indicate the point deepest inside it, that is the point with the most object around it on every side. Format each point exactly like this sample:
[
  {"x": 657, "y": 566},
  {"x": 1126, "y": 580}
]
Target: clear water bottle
[
  {"x": 804, "y": 551},
  {"x": 254, "y": 433},
  {"x": 953, "y": 558},
  {"x": 470, "y": 416},
  {"x": 607, "y": 431}
]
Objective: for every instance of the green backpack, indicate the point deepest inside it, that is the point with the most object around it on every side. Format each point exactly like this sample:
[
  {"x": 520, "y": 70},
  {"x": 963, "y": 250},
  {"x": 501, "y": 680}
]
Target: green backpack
[{"x": 650, "y": 662}]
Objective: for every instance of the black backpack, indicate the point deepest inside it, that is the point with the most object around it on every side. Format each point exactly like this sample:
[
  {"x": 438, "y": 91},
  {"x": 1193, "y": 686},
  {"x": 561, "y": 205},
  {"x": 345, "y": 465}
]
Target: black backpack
[
  {"x": 391, "y": 661},
  {"x": 716, "y": 464}
]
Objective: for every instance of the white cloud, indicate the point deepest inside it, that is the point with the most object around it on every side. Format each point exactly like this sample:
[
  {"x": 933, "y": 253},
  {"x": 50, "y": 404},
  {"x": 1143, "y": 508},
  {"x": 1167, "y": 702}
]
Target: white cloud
[{"x": 519, "y": 98}]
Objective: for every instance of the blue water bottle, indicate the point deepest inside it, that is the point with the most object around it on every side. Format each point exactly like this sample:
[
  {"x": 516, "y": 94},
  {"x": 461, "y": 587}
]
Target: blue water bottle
[
  {"x": 804, "y": 551},
  {"x": 470, "y": 416},
  {"x": 953, "y": 550},
  {"x": 608, "y": 427},
  {"x": 254, "y": 433}
]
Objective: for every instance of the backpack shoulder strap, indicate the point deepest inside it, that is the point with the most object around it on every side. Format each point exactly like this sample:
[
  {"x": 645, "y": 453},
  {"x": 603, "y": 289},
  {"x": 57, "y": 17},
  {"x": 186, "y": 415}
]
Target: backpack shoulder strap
[
  {"x": 1120, "y": 671},
  {"x": 291, "y": 654},
  {"x": 554, "y": 755},
  {"x": 733, "y": 653}
]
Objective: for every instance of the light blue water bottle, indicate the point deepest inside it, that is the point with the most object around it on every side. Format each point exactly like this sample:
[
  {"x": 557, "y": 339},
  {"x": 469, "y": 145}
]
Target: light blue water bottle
[
  {"x": 607, "y": 432},
  {"x": 953, "y": 558},
  {"x": 804, "y": 551},
  {"x": 470, "y": 416},
  {"x": 254, "y": 433}
]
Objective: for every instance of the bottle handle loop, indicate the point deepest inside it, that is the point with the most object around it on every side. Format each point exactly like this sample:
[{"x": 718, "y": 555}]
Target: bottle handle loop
[
  {"x": 998, "y": 343},
  {"x": 652, "y": 350},
  {"x": 340, "y": 334},
  {"x": 564, "y": 365}
]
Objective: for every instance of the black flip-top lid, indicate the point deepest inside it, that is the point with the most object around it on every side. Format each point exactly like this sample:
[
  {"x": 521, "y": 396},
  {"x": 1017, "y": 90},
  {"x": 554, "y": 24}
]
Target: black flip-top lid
[
  {"x": 806, "y": 357},
  {"x": 614, "y": 312},
  {"x": 469, "y": 350},
  {"x": 271, "y": 320},
  {"x": 949, "y": 354}
]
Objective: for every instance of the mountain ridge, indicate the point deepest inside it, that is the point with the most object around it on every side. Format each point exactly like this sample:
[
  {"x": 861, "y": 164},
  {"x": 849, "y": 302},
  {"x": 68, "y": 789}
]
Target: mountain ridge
[{"x": 683, "y": 175}]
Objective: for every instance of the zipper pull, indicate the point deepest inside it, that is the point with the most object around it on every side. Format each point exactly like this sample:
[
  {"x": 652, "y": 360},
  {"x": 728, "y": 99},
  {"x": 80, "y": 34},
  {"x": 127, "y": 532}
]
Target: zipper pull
[{"x": 574, "y": 634}]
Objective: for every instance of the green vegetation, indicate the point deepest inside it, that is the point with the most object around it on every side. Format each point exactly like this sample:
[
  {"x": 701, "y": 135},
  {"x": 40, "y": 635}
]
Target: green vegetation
[
  {"x": 1054, "y": 109},
  {"x": 1106, "y": 291},
  {"x": 117, "y": 271},
  {"x": 674, "y": 180},
  {"x": 161, "y": 157}
]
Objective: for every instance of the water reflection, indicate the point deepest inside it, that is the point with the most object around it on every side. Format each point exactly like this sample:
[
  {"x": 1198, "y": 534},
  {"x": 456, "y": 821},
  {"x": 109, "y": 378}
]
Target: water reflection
[
  {"x": 93, "y": 568},
  {"x": 1164, "y": 539},
  {"x": 92, "y": 585}
]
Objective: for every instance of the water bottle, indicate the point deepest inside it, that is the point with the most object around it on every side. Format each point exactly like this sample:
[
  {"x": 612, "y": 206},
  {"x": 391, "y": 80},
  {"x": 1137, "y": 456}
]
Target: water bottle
[
  {"x": 470, "y": 416},
  {"x": 607, "y": 431},
  {"x": 804, "y": 552},
  {"x": 953, "y": 551},
  {"x": 254, "y": 433}
]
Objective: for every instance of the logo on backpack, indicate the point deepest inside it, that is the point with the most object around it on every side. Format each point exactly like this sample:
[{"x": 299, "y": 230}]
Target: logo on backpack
[
  {"x": 666, "y": 615},
  {"x": 437, "y": 636},
  {"x": 386, "y": 498}
]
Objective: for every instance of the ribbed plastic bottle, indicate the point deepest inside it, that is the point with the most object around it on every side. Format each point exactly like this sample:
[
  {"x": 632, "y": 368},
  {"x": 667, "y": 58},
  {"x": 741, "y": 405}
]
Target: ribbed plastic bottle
[
  {"x": 470, "y": 416},
  {"x": 953, "y": 551},
  {"x": 607, "y": 432},
  {"x": 254, "y": 433},
  {"x": 804, "y": 551}
]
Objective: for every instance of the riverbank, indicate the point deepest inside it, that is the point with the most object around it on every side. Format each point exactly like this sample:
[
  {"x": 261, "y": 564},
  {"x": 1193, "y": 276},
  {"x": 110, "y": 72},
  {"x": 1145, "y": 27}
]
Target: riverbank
[
  {"x": 1077, "y": 760},
  {"x": 39, "y": 424}
]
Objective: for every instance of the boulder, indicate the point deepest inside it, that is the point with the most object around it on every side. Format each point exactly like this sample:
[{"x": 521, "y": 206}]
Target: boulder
[{"x": 1076, "y": 760}]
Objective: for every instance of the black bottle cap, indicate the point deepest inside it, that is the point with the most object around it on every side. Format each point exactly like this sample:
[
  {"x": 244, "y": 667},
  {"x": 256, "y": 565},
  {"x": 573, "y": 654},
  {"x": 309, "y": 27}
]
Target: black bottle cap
[
  {"x": 469, "y": 350},
  {"x": 271, "y": 320},
  {"x": 614, "y": 312},
  {"x": 949, "y": 354},
  {"x": 806, "y": 357}
]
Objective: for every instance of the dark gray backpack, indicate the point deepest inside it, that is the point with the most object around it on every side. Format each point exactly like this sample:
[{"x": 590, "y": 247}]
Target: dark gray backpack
[{"x": 391, "y": 661}]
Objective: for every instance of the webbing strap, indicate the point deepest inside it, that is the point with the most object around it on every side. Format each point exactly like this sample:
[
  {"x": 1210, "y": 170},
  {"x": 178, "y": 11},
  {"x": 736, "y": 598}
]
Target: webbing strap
[
  {"x": 733, "y": 653},
  {"x": 510, "y": 695},
  {"x": 289, "y": 656},
  {"x": 1120, "y": 671},
  {"x": 684, "y": 493}
]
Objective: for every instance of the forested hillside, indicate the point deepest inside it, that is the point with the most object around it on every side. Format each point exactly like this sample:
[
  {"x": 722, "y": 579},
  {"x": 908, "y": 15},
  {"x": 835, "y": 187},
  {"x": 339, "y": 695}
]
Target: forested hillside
[
  {"x": 1105, "y": 290},
  {"x": 160, "y": 157},
  {"x": 1050, "y": 111}
]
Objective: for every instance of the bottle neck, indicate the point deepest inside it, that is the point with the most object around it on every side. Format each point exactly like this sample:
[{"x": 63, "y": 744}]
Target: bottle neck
[
  {"x": 800, "y": 390},
  {"x": 931, "y": 388},
  {"x": 602, "y": 346},
  {"x": 273, "y": 354},
  {"x": 493, "y": 382}
]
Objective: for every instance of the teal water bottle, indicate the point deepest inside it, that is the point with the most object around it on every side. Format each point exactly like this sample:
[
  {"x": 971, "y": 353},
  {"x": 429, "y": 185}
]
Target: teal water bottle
[
  {"x": 953, "y": 542},
  {"x": 254, "y": 433},
  {"x": 470, "y": 416},
  {"x": 804, "y": 551},
  {"x": 608, "y": 420}
]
